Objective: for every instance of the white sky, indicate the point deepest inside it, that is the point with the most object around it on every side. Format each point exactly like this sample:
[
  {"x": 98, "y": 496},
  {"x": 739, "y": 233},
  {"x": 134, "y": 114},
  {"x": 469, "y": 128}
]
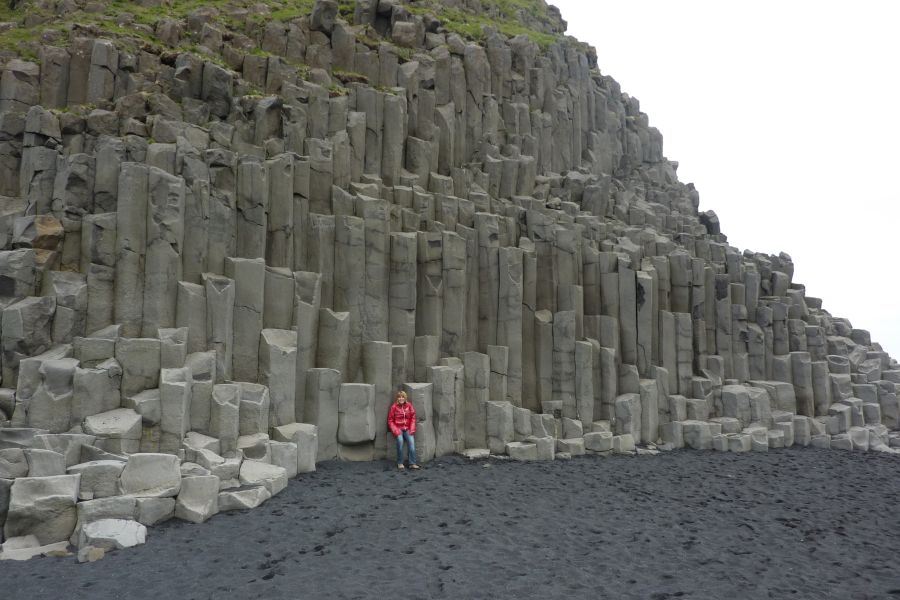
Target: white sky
[{"x": 786, "y": 116}]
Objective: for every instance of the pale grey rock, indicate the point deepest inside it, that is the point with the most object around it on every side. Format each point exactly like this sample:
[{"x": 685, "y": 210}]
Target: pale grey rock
[
  {"x": 175, "y": 407},
  {"x": 25, "y": 330},
  {"x": 116, "y": 431},
  {"x": 224, "y": 415},
  {"x": 322, "y": 397},
  {"x": 672, "y": 434},
  {"x": 477, "y": 376},
  {"x": 572, "y": 447},
  {"x": 356, "y": 413},
  {"x": 117, "y": 507},
  {"x": 254, "y": 408},
  {"x": 151, "y": 475},
  {"x": 99, "y": 478},
  {"x": 522, "y": 451},
  {"x": 198, "y": 441},
  {"x": 598, "y": 441},
  {"x": 255, "y": 446},
  {"x": 499, "y": 425},
  {"x": 628, "y": 415},
  {"x": 697, "y": 435},
  {"x": 305, "y": 437},
  {"x": 333, "y": 341},
  {"x": 152, "y": 511},
  {"x": 131, "y": 245},
  {"x": 28, "y": 547},
  {"x": 623, "y": 444},
  {"x": 96, "y": 390},
  {"x": 43, "y": 507},
  {"x": 112, "y": 534},
  {"x": 173, "y": 347},
  {"x": 13, "y": 463},
  {"x": 44, "y": 463},
  {"x": 277, "y": 371},
  {"x": 420, "y": 395},
  {"x": 285, "y": 455},
  {"x": 45, "y": 390},
  {"x": 243, "y": 498},
  {"x": 220, "y": 297},
  {"x": 202, "y": 366},
  {"x": 272, "y": 477},
  {"x": 377, "y": 370},
  {"x": 249, "y": 276},
  {"x": 139, "y": 359},
  {"x": 198, "y": 499}
]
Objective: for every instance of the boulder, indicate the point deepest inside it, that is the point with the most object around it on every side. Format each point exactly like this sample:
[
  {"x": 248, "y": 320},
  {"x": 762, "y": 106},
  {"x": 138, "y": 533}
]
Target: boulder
[
  {"x": 323, "y": 15},
  {"x": 598, "y": 441},
  {"x": 112, "y": 534},
  {"x": 13, "y": 463},
  {"x": 44, "y": 463},
  {"x": 522, "y": 451},
  {"x": 284, "y": 454},
  {"x": 43, "y": 507},
  {"x": 99, "y": 478},
  {"x": 305, "y": 436},
  {"x": 198, "y": 499},
  {"x": 243, "y": 498},
  {"x": 273, "y": 477},
  {"x": 116, "y": 431},
  {"x": 151, "y": 511},
  {"x": 151, "y": 475}
]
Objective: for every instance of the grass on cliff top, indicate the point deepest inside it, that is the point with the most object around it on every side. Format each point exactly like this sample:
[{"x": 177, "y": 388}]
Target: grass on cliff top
[
  {"x": 504, "y": 15},
  {"x": 124, "y": 19}
]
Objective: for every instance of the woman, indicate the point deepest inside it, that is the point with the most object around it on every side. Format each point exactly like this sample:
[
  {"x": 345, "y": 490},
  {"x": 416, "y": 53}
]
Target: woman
[{"x": 402, "y": 423}]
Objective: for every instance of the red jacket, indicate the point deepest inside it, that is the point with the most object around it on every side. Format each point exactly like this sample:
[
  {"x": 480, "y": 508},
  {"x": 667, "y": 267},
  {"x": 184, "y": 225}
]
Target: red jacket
[{"x": 402, "y": 416}]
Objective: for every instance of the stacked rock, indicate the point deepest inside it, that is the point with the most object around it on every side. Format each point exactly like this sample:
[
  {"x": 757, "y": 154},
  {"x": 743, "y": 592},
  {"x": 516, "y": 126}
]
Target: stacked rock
[{"x": 217, "y": 267}]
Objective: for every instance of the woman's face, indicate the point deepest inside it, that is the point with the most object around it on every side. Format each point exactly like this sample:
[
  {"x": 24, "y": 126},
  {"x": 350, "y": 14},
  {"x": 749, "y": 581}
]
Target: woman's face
[{"x": 401, "y": 398}]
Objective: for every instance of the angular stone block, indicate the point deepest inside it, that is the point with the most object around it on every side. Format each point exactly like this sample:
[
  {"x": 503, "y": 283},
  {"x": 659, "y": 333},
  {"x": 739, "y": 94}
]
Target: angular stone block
[
  {"x": 243, "y": 499},
  {"x": 151, "y": 475},
  {"x": 356, "y": 413},
  {"x": 99, "y": 478},
  {"x": 116, "y": 431},
  {"x": 272, "y": 477},
  {"x": 112, "y": 534},
  {"x": 278, "y": 371},
  {"x": 43, "y": 507},
  {"x": 305, "y": 436},
  {"x": 198, "y": 499},
  {"x": 697, "y": 435}
]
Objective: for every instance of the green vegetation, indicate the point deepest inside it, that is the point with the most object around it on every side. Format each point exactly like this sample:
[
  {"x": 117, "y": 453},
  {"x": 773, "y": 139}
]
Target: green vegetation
[
  {"x": 509, "y": 17},
  {"x": 133, "y": 25}
]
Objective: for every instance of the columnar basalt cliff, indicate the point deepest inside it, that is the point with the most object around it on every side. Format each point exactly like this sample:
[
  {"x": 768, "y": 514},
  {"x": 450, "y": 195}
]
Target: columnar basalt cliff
[{"x": 230, "y": 231}]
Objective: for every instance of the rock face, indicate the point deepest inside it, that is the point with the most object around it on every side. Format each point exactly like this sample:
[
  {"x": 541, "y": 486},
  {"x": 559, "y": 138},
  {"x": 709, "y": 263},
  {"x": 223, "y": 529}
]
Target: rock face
[{"x": 215, "y": 273}]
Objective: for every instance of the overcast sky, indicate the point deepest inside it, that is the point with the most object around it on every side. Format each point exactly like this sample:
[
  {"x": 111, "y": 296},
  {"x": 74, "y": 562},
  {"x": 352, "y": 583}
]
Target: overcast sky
[{"x": 786, "y": 116}]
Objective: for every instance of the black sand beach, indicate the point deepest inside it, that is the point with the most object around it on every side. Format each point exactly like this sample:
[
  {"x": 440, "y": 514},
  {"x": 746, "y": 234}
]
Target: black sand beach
[{"x": 784, "y": 524}]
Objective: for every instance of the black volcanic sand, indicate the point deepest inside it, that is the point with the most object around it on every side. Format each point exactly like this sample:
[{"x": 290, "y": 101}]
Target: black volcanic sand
[{"x": 783, "y": 524}]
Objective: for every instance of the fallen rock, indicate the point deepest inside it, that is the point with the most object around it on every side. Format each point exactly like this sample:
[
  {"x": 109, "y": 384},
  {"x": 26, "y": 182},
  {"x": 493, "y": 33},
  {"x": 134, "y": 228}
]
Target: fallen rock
[
  {"x": 43, "y": 507},
  {"x": 253, "y": 472},
  {"x": 198, "y": 499},
  {"x": 112, "y": 534},
  {"x": 151, "y": 475},
  {"x": 243, "y": 498}
]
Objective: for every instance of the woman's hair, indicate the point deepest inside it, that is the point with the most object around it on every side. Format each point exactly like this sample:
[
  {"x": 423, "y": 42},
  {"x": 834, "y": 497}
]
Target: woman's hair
[{"x": 401, "y": 393}]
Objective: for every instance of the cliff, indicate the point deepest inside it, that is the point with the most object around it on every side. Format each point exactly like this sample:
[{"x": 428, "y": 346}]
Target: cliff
[{"x": 230, "y": 231}]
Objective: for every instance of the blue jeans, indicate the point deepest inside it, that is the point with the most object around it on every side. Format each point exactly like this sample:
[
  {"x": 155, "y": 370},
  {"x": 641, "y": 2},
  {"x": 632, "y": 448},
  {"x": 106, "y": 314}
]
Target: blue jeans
[{"x": 411, "y": 444}]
